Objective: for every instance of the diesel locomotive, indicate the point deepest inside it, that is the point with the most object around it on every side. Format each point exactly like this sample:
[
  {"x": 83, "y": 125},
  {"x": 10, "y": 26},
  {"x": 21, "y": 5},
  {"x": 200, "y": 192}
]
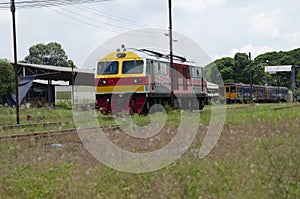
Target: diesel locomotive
[{"x": 133, "y": 80}]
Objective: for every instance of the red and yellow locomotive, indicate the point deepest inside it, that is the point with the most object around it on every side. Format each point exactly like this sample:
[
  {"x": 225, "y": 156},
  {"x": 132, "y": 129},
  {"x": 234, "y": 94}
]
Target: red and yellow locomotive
[{"x": 132, "y": 80}]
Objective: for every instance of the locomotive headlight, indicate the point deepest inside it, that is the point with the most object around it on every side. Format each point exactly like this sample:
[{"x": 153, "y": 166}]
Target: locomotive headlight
[
  {"x": 121, "y": 55},
  {"x": 136, "y": 81},
  {"x": 104, "y": 81}
]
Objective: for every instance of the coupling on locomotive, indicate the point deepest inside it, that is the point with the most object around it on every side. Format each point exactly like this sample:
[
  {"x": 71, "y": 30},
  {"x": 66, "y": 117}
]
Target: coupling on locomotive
[{"x": 133, "y": 80}]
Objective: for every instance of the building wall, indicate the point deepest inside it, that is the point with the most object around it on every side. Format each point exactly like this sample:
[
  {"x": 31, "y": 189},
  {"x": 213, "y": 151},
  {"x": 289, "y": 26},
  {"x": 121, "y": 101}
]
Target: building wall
[{"x": 82, "y": 94}]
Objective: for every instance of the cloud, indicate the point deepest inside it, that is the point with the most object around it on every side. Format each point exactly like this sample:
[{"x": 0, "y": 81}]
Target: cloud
[
  {"x": 183, "y": 5},
  {"x": 5, "y": 17},
  {"x": 255, "y": 50},
  {"x": 273, "y": 23},
  {"x": 295, "y": 38},
  {"x": 224, "y": 27},
  {"x": 196, "y": 5},
  {"x": 266, "y": 23},
  {"x": 6, "y": 35}
]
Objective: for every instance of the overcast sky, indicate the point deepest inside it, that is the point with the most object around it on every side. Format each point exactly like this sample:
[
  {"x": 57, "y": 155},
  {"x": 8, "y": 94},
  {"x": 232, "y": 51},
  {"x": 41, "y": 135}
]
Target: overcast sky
[{"x": 220, "y": 27}]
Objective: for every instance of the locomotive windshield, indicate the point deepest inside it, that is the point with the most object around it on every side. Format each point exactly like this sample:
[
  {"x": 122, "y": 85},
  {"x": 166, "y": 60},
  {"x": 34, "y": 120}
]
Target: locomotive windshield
[
  {"x": 108, "y": 68},
  {"x": 132, "y": 67}
]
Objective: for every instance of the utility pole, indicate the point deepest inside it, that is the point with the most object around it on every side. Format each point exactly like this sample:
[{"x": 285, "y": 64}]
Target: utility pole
[
  {"x": 13, "y": 10},
  {"x": 171, "y": 52},
  {"x": 73, "y": 100},
  {"x": 250, "y": 76}
]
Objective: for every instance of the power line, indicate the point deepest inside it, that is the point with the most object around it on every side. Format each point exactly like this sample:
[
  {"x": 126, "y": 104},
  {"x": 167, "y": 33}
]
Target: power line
[
  {"x": 46, "y": 3},
  {"x": 116, "y": 18},
  {"x": 81, "y": 21},
  {"x": 94, "y": 19},
  {"x": 49, "y": 4},
  {"x": 59, "y": 3},
  {"x": 91, "y": 20}
]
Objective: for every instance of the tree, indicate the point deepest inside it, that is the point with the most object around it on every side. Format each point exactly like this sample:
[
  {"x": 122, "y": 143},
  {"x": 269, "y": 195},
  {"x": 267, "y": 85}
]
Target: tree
[
  {"x": 280, "y": 58},
  {"x": 6, "y": 77},
  {"x": 241, "y": 67},
  {"x": 212, "y": 73},
  {"x": 225, "y": 66},
  {"x": 237, "y": 69},
  {"x": 49, "y": 54}
]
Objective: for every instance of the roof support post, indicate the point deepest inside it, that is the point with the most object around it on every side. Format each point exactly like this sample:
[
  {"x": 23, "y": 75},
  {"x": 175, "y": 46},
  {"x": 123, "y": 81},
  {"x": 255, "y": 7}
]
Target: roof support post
[{"x": 293, "y": 83}]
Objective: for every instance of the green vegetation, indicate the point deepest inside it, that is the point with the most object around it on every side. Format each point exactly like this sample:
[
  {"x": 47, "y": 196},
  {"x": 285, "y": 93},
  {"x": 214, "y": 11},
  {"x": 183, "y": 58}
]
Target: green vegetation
[
  {"x": 36, "y": 119},
  {"x": 64, "y": 104},
  {"x": 7, "y": 78},
  {"x": 63, "y": 95},
  {"x": 48, "y": 54},
  {"x": 7, "y": 115},
  {"x": 257, "y": 156},
  {"x": 237, "y": 69}
]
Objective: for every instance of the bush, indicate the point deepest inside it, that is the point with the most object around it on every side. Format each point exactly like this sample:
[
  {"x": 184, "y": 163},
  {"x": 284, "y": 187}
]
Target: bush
[
  {"x": 168, "y": 108},
  {"x": 64, "y": 104}
]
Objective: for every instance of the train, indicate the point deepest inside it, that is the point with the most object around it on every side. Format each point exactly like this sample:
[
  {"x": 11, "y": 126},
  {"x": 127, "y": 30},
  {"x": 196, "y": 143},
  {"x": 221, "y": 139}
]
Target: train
[
  {"x": 132, "y": 80},
  {"x": 213, "y": 91},
  {"x": 241, "y": 93}
]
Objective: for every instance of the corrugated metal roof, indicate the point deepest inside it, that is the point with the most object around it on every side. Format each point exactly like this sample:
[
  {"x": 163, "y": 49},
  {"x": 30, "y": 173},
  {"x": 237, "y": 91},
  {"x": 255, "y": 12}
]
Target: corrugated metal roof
[
  {"x": 55, "y": 68},
  {"x": 57, "y": 73}
]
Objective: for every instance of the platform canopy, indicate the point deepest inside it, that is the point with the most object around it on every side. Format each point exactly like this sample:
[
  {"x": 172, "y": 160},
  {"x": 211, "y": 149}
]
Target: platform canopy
[
  {"x": 46, "y": 72},
  {"x": 274, "y": 69}
]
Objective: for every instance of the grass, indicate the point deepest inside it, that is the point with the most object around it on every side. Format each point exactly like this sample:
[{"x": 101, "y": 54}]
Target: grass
[
  {"x": 8, "y": 115},
  {"x": 257, "y": 156}
]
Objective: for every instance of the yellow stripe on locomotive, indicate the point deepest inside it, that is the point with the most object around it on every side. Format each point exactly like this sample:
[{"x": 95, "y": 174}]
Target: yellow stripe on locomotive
[
  {"x": 117, "y": 72},
  {"x": 120, "y": 89}
]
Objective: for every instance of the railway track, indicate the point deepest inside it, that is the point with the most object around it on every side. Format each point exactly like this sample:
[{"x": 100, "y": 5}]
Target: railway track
[
  {"x": 38, "y": 134},
  {"x": 10, "y": 127},
  {"x": 49, "y": 133},
  {"x": 53, "y": 132},
  {"x": 286, "y": 107},
  {"x": 43, "y": 124}
]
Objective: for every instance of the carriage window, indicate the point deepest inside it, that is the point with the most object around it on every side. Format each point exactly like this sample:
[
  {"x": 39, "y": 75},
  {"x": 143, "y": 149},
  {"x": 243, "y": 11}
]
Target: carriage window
[
  {"x": 240, "y": 90},
  {"x": 174, "y": 78},
  {"x": 108, "y": 68},
  {"x": 132, "y": 67},
  {"x": 233, "y": 89},
  {"x": 149, "y": 65},
  {"x": 163, "y": 68},
  {"x": 184, "y": 74},
  {"x": 160, "y": 68},
  {"x": 196, "y": 72}
]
